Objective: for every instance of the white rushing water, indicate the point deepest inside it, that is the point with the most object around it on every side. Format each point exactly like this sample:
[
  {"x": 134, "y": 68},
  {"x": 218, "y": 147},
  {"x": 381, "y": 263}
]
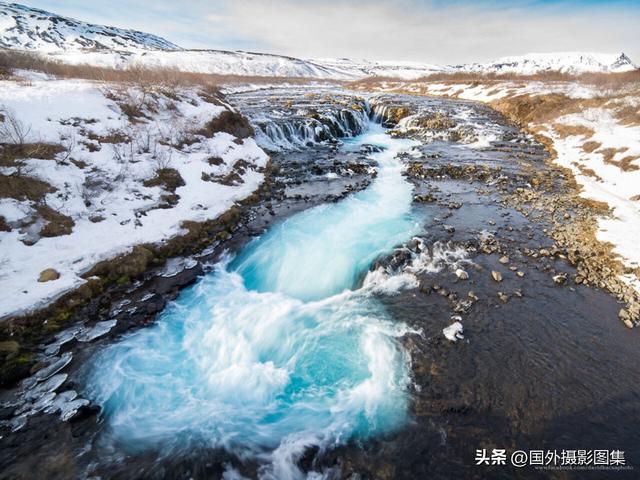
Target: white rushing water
[{"x": 277, "y": 350}]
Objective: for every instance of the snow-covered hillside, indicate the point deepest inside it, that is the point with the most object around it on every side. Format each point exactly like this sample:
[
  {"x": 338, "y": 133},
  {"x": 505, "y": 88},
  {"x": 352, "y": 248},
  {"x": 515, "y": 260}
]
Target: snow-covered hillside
[
  {"x": 218, "y": 62},
  {"x": 28, "y": 28},
  {"x": 564, "y": 62},
  {"x": 89, "y": 170},
  {"x": 76, "y": 42}
]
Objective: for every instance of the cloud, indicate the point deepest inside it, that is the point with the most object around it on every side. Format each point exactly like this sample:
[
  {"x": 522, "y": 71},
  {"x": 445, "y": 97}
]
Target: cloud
[
  {"x": 424, "y": 31},
  {"x": 433, "y": 31}
]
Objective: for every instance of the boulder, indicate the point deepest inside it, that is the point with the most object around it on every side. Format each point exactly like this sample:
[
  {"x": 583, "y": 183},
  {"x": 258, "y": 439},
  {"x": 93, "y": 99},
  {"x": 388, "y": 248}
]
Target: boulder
[{"x": 48, "y": 275}]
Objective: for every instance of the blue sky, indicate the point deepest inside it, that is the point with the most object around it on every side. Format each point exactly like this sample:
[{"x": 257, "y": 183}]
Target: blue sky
[{"x": 435, "y": 31}]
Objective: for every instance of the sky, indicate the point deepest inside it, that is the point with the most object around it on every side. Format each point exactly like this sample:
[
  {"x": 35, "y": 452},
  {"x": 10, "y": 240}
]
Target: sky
[{"x": 431, "y": 31}]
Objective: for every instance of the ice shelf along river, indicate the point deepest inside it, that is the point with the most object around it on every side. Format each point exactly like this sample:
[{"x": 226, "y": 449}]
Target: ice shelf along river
[{"x": 279, "y": 349}]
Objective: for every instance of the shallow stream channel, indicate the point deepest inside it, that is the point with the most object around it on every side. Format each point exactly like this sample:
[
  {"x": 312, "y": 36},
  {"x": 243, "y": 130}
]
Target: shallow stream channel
[{"x": 384, "y": 310}]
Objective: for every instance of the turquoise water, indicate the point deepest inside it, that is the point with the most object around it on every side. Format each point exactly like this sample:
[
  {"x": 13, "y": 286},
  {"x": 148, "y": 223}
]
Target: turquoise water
[{"x": 276, "y": 350}]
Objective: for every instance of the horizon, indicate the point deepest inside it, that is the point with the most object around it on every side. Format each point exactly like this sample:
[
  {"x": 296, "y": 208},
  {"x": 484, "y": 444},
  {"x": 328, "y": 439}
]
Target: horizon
[{"x": 476, "y": 39}]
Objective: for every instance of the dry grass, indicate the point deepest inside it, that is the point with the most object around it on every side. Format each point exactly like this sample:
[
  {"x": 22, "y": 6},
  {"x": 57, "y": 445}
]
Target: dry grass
[
  {"x": 11, "y": 60},
  {"x": 609, "y": 153},
  {"x": 167, "y": 178},
  {"x": 9, "y": 152},
  {"x": 24, "y": 188},
  {"x": 590, "y": 146},
  {"x": 57, "y": 223},
  {"x": 609, "y": 81},
  {"x": 625, "y": 164},
  {"x": 229, "y": 122},
  {"x": 525, "y": 109},
  {"x": 629, "y": 115},
  {"x": 587, "y": 172},
  {"x": 565, "y": 131}
]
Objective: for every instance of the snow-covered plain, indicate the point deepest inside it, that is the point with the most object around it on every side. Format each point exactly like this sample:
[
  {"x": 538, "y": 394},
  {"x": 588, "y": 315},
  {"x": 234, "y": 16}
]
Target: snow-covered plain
[{"x": 100, "y": 185}]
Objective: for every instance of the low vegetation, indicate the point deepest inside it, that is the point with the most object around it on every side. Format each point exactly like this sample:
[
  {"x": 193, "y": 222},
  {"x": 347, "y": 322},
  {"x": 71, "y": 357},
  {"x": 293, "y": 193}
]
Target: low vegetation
[{"x": 11, "y": 60}]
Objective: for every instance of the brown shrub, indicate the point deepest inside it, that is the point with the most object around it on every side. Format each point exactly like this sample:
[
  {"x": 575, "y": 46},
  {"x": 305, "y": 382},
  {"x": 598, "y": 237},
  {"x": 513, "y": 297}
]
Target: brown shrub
[
  {"x": 228, "y": 122},
  {"x": 9, "y": 153},
  {"x": 167, "y": 178},
  {"x": 57, "y": 223},
  {"x": 114, "y": 136},
  {"x": 23, "y": 188}
]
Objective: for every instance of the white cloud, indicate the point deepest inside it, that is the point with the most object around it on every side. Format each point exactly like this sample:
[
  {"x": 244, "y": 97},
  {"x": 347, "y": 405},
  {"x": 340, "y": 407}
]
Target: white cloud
[{"x": 406, "y": 30}]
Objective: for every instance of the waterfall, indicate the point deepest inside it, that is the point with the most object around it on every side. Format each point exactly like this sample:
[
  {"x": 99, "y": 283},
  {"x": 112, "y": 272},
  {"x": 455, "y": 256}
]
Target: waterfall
[{"x": 298, "y": 131}]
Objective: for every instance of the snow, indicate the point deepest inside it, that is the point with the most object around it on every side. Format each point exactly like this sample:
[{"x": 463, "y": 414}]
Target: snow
[
  {"x": 613, "y": 185},
  {"x": 32, "y": 29},
  {"x": 453, "y": 332},
  {"x": 122, "y": 211},
  {"x": 261, "y": 64},
  {"x": 564, "y": 62}
]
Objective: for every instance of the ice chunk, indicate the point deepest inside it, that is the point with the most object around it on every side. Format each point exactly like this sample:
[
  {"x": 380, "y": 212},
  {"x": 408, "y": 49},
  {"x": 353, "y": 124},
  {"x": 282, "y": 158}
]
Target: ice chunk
[
  {"x": 70, "y": 409},
  {"x": 57, "y": 364},
  {"x": 98, "y": 330},
  {"x": 50, "y": 385},
  {"x": 176, "y": 265},
  {"x": 61, "y": 400},
  {"x": 453, "y": 332}
]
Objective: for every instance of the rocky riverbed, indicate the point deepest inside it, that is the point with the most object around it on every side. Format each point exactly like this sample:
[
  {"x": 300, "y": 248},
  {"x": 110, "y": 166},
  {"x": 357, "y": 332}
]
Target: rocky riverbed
[{"x": 539, "y": 361}]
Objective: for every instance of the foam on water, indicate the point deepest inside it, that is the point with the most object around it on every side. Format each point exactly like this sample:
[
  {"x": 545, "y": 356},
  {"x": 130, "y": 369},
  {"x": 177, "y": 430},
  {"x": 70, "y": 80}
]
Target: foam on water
[{"x": 276, "y": 351}]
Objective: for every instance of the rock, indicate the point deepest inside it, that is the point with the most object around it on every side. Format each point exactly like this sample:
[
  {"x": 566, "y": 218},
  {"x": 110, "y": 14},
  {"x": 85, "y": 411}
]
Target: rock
[
  {"x": 520, "y": 273},
  {"x": 560, "y": 279},
  {"x": 578, "y": 279},
  {"x": 544, "y": 252},
  {"x": 449, "y": 228},
  {"x": 625, "y": 316},
  {"x": 472, "y": 295},
  {"x": 497, "y": 276},
  {"x": 48, "y": 275},
  {"x": 504, "y": 298},
  {"x": 504, "y": 259},
  {"x": 461, "y": 274}
]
